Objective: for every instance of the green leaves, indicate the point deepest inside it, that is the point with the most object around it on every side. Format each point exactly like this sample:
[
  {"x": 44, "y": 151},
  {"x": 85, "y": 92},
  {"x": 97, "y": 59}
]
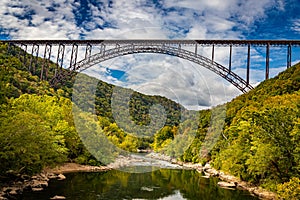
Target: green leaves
[
  {"x": 26, "y": 144},
  {"x": 261, "y": 140},
  {"x": 289, "y": 190}
]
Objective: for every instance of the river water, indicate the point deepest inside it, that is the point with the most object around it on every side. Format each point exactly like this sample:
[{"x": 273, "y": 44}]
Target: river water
[{"x": 164, "y": 183}]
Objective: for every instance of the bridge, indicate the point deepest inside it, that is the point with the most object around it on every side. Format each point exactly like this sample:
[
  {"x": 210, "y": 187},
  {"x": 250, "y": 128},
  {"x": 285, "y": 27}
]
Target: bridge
[{"x": 71, "y": 50}]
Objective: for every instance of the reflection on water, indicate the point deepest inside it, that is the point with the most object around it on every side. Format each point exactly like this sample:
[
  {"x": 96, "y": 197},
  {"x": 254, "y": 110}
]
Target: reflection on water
[
  {"x": 176, "y": 196},
  {"x": 164, "y": 184}
]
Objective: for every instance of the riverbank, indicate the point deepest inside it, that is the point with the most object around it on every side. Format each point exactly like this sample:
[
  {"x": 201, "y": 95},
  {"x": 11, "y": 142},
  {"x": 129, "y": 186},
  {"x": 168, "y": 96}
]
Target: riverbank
[
  {"x": 226, "y": 180},
  {"x": 74, "y": 167},
  {"x": 40, "y": 181}
]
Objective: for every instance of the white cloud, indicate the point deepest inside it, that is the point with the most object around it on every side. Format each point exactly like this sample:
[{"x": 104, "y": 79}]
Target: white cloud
[
  {"x": 40, "y": 22},
  {"x": 296, "y": 25}
]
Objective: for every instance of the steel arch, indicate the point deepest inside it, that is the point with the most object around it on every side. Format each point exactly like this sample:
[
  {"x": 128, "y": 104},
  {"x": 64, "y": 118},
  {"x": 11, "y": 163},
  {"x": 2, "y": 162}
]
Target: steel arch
[{"x": 217, "y": 68}]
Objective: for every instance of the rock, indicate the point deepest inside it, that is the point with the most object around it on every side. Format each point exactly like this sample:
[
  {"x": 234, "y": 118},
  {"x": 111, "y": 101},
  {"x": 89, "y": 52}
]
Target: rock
[
  {"x": 180, "y": 163},
  {"x": 61, "y": 177},
  {"x": 6, "y": 189},
  {"x": 51, "y": 176},
  {"x": 3, "y": 198},
  {"x": 34, "y": 177},
  {"x": 207, "y": 166},
  {"x": 147, "y": 189},
  {"x": 226, "y": 184},
  {"x": 39, "y": 184},
  {"x": 13, "y": 192},
  {"x": 58, "y": 197},
  {"x": 37, "y": 189},
  {"x": 227, "y": 178},
  {"x": 264, "y": 194},
  {"x": 27, "y": 186},
  {"x": 44, "y": 177},
  {"x": 25, "y": 177},
  {"x": 212, "y": 172}
]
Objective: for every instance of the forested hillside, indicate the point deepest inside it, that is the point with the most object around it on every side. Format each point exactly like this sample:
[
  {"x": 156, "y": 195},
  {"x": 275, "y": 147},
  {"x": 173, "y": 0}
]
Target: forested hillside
[
  {"x": 36, "y": 122},
  {"x": 260, "y": 141}
]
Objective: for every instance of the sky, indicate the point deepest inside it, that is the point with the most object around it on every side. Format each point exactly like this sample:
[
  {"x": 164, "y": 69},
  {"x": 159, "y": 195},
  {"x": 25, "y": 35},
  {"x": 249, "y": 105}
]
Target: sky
[{"x": 187, "y": 83}]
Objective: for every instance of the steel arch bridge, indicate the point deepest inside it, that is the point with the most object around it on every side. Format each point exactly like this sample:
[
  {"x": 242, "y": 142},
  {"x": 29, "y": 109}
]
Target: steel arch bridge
[
  {"x": 169, "y": 50},
  {"x": 109, "y": 49}
]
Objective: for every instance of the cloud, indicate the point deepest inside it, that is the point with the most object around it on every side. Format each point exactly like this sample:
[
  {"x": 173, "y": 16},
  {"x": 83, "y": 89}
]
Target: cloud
[{"x": 296, "y": 25}]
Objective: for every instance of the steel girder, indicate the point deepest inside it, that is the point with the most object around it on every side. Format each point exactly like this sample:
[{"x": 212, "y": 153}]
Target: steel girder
[{"x": 217, "y": 68}]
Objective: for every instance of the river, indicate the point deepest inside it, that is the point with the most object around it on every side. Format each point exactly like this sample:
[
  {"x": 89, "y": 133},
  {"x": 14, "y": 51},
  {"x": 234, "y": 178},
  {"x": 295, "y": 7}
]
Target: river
[{"x": 165, "y": 182}]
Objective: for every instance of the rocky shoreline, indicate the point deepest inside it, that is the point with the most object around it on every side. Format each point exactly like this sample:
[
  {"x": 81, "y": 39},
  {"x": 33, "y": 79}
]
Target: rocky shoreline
[
  {"x": 40, "y": 181},
  {"x": 226, "y": 180}
]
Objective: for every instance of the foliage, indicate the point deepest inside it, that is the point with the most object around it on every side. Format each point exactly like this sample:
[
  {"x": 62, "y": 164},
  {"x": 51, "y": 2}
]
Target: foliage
[
  {"x": 31, "y": 134},
  {"x": 290, "y": 189},
  {"x": 260, "y": 139}
]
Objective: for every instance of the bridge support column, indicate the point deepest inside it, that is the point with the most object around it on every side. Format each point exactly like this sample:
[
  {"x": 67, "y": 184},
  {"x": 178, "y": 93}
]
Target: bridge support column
[
  {"x": 196, "y": 49},
  {"x": 22, "y": 53},
  {"x": 267, "y": 60},
  {"x": 88, "y": 51},
  {"x": 34, "y": 57},
  {"x": 118, "y": 47},
  {"x": 102, "y": 49},
  {"x": 230, "y": 55},
  {"x": 73, "y": 56},
  {"x": 60, "y": 58},
  {"x": 248, "y": 65},
  {"x": 289, "y": 56},
  {"x": 213, "y": 53},
  {"x": 45, "y": 65}
]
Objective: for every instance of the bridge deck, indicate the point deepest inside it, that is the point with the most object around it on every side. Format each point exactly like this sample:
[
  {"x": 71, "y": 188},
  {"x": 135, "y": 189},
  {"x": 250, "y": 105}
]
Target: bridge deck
[{"x": 171, "y": 42}]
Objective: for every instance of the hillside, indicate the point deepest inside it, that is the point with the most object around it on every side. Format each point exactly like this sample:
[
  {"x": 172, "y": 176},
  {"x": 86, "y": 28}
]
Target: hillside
[
  {"x": 260, "y": 141},
  {"x": 30, "y": 106}
]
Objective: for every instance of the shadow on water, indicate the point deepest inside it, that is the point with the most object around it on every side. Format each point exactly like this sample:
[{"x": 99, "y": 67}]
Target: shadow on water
[{"x": 162, "y": 184}]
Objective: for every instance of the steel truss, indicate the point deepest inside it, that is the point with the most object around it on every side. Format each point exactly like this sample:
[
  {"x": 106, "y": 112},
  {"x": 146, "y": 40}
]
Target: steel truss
[{"x": 109, "y": 49}]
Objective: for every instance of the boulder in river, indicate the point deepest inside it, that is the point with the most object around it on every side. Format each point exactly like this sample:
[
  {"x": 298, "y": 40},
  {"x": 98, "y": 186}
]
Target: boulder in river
[
  {"x": 226, "y": 184},
  {"x": 58, "y": 197},
  {"x": 61, "y": 177}
]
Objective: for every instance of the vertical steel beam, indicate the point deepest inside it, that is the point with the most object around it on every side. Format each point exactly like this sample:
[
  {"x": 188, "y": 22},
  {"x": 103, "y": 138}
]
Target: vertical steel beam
[
  {"x": 248, "y": 65},
  {"x": 34, "y": 57},
  {"x": 60, "y": 55},
  {"x": 289, "y": 56},
  {"x": 45, "y": 65},
  {"x": 88, "y": 51},
  {"x": 212, "y": 53},
  {"x": 196, "y": 49},
  {"x": 9, "y": 48},
  {"x": 102, "y": 49},
  {"x": 118, "y": 47},
  {"x": 267, "y": 60},
  {"x": 230, "y": 55},
  {"x": 74, "y": 55},
  {"x": 22, "y": 53}
]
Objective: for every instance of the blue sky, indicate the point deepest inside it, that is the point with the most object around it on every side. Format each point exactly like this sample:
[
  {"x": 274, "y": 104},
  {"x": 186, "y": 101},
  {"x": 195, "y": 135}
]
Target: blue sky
[{"x": 180, "y": 80}]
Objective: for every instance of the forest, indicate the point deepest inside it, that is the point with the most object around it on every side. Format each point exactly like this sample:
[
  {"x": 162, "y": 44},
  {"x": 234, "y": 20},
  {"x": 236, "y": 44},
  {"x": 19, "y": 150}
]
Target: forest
[{"x": 259, "y": 140}]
